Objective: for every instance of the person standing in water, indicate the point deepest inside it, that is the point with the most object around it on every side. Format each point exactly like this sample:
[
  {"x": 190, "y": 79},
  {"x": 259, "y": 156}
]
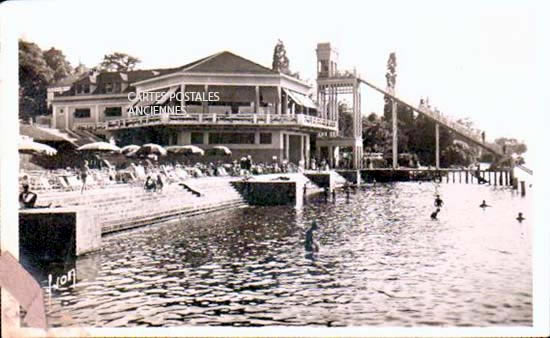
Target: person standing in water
[
  {"x": 310, "y": 244},
  {"x": 434, "y": 214},
  {"x": 484, "y": 204},
  {"x": 438, "y": 202},
  {"x": 520, "y": 217}
]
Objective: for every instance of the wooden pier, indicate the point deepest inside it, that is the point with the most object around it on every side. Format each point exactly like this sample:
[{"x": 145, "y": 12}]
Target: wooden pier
[{"x": 500, "y": 177}]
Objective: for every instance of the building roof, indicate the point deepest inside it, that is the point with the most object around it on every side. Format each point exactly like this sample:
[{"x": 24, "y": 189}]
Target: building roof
[
  {"x": 226, "y": 62},
  {"x": 99, "y": 80},
  {"x": 222, "y": 62}
]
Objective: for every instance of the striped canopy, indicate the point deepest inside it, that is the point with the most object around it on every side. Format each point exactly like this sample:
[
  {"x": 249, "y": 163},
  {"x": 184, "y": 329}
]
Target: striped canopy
[
  {"x": 99, "y": 146},
  {"x": 29, "y": 146}
]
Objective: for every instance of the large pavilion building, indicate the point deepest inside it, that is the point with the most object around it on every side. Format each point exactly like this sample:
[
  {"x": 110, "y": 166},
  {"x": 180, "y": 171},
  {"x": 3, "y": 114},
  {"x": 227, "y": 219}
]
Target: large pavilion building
[{"x": 257, "y": 111}]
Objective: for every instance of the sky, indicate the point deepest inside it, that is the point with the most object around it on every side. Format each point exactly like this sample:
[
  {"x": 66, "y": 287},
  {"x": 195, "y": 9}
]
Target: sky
[{"x": 478, "y": 59}]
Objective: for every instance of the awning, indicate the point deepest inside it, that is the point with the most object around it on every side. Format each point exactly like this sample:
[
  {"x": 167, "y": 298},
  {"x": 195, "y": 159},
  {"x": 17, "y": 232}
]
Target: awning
[
  {"x": 308, "y": 102},
  {"x": 300, "y": 99}
]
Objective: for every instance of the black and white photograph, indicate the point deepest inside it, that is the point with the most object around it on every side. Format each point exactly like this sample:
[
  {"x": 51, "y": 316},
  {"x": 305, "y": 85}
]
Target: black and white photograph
[{"x": 273, "y": 168}]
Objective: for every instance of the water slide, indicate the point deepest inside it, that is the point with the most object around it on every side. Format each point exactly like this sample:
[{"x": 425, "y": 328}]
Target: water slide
[{"x": 452, "y": 125}]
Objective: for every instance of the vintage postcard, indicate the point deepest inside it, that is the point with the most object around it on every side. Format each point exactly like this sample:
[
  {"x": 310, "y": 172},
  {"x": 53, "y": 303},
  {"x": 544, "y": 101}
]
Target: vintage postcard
[{"x": 272, "y": 168}]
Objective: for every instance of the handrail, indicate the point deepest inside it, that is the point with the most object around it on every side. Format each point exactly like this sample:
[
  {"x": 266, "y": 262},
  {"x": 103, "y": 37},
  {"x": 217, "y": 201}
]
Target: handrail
[
  {"x": 445, "y": 121},
  {"x": 524, "y": 168},
  {"x": 213, "y": 118}
]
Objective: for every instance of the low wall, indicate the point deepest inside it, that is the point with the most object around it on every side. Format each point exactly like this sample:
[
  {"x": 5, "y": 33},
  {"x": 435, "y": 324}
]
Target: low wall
[
  {"x": 322, "y": 179},
  {"x": 385, "y": 175},
  {"x": 76, "y": 228},
  {"x": 271, "y": 193},
  {"x": 59, "y": 233},
  {"x": 123, "y": 207}
]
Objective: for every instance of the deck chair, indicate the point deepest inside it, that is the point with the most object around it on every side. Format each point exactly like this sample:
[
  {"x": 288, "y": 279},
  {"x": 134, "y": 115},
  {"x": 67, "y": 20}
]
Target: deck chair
[
  {"x": 74, "y": 183},
  {"x": 140, "y": 173},
  {"x": 63, "y": 183},
  {"x": 44, "y": 183},
  {"x": 181, "y": 174}
]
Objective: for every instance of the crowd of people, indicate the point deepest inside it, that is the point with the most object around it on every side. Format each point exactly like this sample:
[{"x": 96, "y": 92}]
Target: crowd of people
[{"x": 152, "y": 175}]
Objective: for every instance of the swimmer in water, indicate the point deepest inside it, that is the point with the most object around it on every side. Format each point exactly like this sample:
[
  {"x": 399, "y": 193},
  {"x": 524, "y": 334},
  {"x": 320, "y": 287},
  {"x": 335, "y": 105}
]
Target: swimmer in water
[
  {"x": 484, "y": 205},
  {"x": 310, "y": 244},
  {"x": 434, "y": 214},
  {"x": 438, "y": 202},
  {"x": 520, "y": 217}
]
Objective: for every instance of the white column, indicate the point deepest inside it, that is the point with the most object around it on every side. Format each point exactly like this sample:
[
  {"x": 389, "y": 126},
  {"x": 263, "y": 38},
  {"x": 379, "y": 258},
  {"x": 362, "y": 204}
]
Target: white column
[
  {"x": 96, "y": 114},
  {"x": 278, "y": 100},
  {"x": 66, "y": 109},
  {"x": 308, "y": 150},
  {"x": 182, "y": 102},
  {"x": 205, "y": 103},
  {"x": 54, "y": 117}
]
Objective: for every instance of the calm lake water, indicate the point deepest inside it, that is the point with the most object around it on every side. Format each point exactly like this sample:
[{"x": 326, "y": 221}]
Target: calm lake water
[{"x": 382, "y": 262}]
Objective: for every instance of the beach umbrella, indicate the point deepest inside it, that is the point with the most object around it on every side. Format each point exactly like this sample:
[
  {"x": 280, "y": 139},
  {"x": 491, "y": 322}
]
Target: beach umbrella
[
  {"x": 185, "y": 150},
  {"x": 99, "y": 147},
  {"x": 29, "y": 146},
  {"x": 151, "y": 148},
  {"x": 129, "y": 150},
  {"x": 219, "y": 150}
]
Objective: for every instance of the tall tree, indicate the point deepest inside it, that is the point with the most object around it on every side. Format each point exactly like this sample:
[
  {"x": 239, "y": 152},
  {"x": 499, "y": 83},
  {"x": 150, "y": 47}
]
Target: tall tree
[
  {"x": 280, "y": 60},
  {"x": 391, "y": 76},
  {"x": 58, "y": 63},
  {"x": 34, "y": 77},
  {"x": 118, "y": 62}
]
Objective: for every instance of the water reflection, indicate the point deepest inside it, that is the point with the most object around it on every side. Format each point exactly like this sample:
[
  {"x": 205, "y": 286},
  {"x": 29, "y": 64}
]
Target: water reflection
[{"x": 382, "y": 261}]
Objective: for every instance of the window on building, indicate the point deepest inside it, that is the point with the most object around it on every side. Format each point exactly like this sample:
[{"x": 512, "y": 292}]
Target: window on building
[
  {"x": 231, "y": 138},
  {"x": 265, "y": 138},
  {"x": 113, "y": 111},
  {"x": 82, "y": 88},
  {"x": 82, "y": 113},
  {"x": 108, "y": 87},
  {"x": 197, "y": 138},
  {"x": 117, "y": 87}
]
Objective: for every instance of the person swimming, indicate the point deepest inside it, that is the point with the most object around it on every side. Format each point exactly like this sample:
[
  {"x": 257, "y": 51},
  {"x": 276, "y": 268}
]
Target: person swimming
[
  {"x": 438, "y": 202},
  {"x": 520, "y": 217},
  {"x": 434, "y": 214},
  {"x": 484, "y": 204},
  {"x": 310, "y": 244}
]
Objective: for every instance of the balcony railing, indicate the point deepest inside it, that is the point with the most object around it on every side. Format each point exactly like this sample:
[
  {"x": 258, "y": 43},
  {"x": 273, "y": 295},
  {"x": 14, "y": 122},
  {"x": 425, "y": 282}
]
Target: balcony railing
[{"x": 215, "y": 119}]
